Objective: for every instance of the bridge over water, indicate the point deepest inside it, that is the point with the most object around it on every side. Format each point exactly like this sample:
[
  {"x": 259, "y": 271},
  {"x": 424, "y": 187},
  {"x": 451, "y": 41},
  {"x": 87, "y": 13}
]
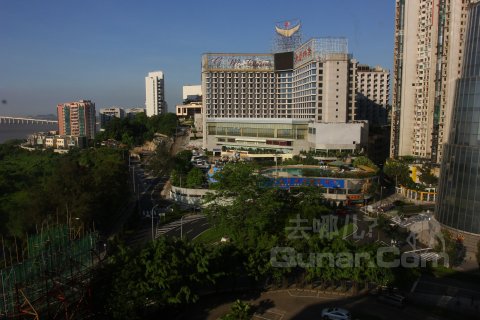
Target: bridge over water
[{"x": 20, "y": 120}]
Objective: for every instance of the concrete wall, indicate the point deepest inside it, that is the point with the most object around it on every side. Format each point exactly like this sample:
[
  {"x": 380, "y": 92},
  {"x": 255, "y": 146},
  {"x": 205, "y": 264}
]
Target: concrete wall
[
  {"x": 187, "y": 195},
  {"x": 335, "y": 90},
  {"x": 338, "y": 135},
  {"x": 198, "y": 122},
  {"x": 409, "y": 56},
  {"x": 192, "y": 90}
]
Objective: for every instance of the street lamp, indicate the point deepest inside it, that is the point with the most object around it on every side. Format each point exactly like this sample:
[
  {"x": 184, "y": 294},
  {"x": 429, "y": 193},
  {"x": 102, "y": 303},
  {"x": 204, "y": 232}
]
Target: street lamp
[
  {"x": 151, "y": 214},
  {"x": 181, "y": 226},
  {"x": 133, "y": 177},
  {"x": 276, "y": 164}
]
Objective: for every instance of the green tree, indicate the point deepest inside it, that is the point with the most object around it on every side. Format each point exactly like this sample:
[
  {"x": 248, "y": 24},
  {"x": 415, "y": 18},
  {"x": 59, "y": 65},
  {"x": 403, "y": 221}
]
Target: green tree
[
  {"x": 160, "y": 163},
  {"x": 182, "y": 161},
  {"x": 427, "y": 177},
  {"x": 397, "y": 170},
  {"x": 239, "y": 311},
  {"x": 453, "y": 248},
  {"x": 127, "y": 139},
  {"x": 164, "y": 124},
  {"x": 364, "y": 161},
  {"x": 195, "y": 178},
  {"x": 137, "y": 130},
  {"x": 165, "y": 275},
  {"x": 40, "y": 187}
]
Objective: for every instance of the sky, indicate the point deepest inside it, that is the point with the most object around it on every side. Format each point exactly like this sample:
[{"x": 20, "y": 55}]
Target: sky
[{"x": 55, "y": 51}]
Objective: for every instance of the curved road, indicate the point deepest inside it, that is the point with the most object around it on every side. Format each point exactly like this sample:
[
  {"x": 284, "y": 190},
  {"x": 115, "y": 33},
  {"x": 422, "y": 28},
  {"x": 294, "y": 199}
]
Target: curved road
[{"x": 190, "y": 227}]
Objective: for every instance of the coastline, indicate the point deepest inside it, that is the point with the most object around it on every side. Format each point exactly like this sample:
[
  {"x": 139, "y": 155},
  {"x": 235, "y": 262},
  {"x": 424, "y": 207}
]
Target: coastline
[{"x": 9, "y": 131}]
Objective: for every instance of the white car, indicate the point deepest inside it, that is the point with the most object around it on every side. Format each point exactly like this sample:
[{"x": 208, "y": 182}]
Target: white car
[{"x": 335, "y": 314}]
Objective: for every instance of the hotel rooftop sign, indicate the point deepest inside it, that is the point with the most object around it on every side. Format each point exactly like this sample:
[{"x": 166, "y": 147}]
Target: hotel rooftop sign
[
  {"x": 240, "y": 62},
  {"x": 319, "y": 49}
]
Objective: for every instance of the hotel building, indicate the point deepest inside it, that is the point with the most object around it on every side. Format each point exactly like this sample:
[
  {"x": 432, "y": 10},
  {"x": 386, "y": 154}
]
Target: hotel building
[{"x": 283, "y": 102}]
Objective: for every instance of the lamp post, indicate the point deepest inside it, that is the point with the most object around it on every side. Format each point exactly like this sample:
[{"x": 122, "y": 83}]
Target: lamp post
[
  {"x": 276, "y": 164},
  {"x": 381, "y": 195},
  {"x": 378, "y": 211},
  {"x": 133, "y": 177},
  {"x": 181, "y": 226},
  {"x": 151, "y": 214}
]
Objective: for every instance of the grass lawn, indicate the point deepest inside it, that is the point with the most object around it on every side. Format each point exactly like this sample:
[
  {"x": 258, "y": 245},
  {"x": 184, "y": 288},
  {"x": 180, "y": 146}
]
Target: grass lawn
[{"x": 211, "y": 235}]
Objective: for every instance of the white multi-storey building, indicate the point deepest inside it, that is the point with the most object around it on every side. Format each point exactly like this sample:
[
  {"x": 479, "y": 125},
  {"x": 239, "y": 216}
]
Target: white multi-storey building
[
  {"x": 155, "y": 94},
  {"x": 429, "y": 38},
  {"x": 192, "y": 102},
  {"x": 324, "y": 81},
  {"x": 278, "y": 101}
]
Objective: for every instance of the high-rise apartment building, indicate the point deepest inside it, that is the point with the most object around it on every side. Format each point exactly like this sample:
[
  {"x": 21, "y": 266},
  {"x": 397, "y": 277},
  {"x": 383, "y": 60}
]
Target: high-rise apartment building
[
  {"x": 459, "y": 188},
  {"x": 373, "y": 94},
  {"x": 77, "y": 118},
  {"x": 155, "y": 94},
  {"x": 429, "y": 36}
]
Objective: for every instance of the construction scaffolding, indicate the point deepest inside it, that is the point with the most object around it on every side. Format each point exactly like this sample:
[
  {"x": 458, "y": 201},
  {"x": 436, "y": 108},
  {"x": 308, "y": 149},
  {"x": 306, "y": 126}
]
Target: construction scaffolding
[{"x": 53, "y": 281}]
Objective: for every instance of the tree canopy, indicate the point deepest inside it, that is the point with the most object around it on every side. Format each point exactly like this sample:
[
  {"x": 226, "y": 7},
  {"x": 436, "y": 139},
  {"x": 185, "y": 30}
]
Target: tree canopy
[
  {"x": 398, "y": 171},
  {"x": 136, "y": 130},
  {"x": 41, "y": 186},
  {"x": 365, "y": 161},
  {"x": 169, "y": 274}
]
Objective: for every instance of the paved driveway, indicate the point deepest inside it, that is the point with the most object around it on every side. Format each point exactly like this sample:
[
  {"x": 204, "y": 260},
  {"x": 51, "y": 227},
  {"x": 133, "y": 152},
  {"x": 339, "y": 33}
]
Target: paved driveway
[{"x": 305, "y": 305}]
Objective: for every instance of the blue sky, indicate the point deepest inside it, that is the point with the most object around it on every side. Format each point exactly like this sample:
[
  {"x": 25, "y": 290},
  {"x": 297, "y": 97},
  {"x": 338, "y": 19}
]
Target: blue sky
[{"x": 56, "y": 51}]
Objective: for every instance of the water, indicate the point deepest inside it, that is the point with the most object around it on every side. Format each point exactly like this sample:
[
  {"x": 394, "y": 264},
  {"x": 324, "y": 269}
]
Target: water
[{"x": 21, "y": 131}]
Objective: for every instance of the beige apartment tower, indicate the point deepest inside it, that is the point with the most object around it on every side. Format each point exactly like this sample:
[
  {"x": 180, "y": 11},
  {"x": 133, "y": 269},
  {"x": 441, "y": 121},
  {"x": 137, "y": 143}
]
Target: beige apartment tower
[
  {"x": 429, "y": 36},
  {"x": 373, "y": 94}
]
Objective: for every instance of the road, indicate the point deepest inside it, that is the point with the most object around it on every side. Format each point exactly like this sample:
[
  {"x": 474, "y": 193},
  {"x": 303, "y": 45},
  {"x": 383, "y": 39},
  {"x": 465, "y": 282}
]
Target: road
[
  {"x": 147, "y": 190},
  {"x": 190, "y": 227},
  {"x": 146, "y": 187},
  {"x": 304, "y": 305},
  {"x": 142, "y": 185},
  {"x": 147, "y": 193}
]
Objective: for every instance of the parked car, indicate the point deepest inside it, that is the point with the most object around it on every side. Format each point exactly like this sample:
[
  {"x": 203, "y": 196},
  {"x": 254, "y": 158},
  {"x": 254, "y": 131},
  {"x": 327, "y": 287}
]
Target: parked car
[{"x": 335, "y": 314}]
